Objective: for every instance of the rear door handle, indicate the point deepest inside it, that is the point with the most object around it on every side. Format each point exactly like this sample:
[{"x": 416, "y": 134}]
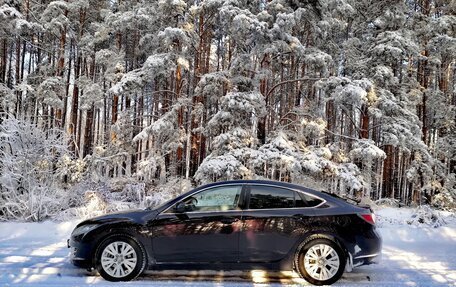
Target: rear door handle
[{"x": 228, "y": 220}]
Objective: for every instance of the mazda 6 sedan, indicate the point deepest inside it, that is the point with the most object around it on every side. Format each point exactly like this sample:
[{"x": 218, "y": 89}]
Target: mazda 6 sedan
[{"x": 237, "y": 225}]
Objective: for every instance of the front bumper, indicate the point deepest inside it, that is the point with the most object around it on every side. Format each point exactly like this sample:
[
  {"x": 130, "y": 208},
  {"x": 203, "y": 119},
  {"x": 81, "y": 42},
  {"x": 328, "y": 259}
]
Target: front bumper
[{"x": 80, "y": 254}]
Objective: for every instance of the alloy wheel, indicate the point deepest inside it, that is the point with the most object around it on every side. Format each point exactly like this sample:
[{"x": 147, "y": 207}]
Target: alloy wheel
[
  {"x": 321, "y": 262},
  {"x": 119, "y": 259}
]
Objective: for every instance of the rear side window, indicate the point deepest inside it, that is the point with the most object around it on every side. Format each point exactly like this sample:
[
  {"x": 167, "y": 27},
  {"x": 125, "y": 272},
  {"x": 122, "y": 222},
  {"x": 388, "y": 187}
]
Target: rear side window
[
  {"x": 267, "y": 197},
  {"x": 304, "y": 200},
  {"x": 270, "y": 197}
]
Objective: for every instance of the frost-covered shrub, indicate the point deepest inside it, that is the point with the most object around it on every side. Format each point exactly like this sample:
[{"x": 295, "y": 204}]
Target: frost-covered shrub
[
  {"x": 446, "y": 196},
  {"x": 173, "y": 187},
  {"x": 94, "y": 203},
  {"x": 7, "y": 97},
  {"x": 388, "y": 202},
  {"x": 445, "y": 201},
  {"x": 94, "y": 199},
  {"x": 136, "y": 192},
  {"x": 71, "y": 170},
  {"x": 427, "y": 216},
  {"x": 28, "y": 162}
]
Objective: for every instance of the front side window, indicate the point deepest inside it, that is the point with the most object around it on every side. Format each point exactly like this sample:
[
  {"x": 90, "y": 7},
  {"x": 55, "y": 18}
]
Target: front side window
[
  {"x": 267, "y": 197},
  {"x": 215, "y": 199}
]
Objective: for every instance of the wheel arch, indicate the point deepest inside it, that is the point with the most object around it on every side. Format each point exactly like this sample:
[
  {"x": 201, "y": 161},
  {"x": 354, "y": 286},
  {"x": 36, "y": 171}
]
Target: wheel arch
[{"x": 110, "y": 231}]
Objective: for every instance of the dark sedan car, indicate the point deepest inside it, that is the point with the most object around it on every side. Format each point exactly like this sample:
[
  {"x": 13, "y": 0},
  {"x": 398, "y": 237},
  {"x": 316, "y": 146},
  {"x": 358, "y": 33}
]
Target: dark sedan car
[{"x": 233, "y": 225}]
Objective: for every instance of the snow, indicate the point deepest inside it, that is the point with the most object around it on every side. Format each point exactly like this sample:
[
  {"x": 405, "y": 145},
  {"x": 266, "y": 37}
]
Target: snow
[
  {"x": 170, "y": 36},
  {"x": 35, "y": 254},
  {"x": 366, "y": 150}
]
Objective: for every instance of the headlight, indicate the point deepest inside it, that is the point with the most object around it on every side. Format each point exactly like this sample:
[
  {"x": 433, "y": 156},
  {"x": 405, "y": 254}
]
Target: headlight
[{"x": 84, "y": 229}]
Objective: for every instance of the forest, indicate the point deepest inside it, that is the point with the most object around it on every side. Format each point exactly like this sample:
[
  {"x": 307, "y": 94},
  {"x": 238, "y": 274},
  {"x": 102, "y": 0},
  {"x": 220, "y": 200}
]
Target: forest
[{"x": 106, "y": 105}]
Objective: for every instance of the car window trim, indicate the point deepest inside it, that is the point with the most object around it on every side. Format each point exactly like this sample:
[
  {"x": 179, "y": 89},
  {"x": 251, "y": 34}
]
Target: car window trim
[
  {"x": 244, "y": 200},
  {"x": 239, "y": 207},
  {"x": 248, "y": 185}
]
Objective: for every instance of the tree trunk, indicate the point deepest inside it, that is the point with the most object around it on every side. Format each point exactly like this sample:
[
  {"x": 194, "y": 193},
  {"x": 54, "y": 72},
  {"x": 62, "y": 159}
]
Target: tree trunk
[
  {"x": 261, "y": 128},
  {"x": 180, "y": 120},
  {"x": 17, "y": 77},
  {"x": 89, "y": 124},
  {"x": 195, "y": 152},
  {"x": 75, "y": 106},
  {"x": 60, "y": 70},
  {"x": 330, "y": 119},
  {"x": 3, "y": 61},
  {"x": 388, "y": 172},
  {"x": 88, "y": 133},
  {"x": 364, "y": 134}
]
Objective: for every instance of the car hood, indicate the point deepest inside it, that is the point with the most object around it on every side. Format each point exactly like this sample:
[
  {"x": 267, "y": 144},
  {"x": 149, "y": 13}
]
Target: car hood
[{"x": 139, "y": 216}]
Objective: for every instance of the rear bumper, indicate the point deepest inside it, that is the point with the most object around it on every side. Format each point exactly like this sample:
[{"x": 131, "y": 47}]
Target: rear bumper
[
  {"x": 367, "y": 259},
  {"x": 362, "y": 260},
  {"x": 367, "y": 250}
]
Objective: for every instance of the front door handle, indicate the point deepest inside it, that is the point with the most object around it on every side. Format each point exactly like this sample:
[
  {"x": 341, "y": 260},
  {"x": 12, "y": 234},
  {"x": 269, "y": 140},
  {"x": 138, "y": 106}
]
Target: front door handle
[
  {"x": 229, "y": 220},
  {"x": 298, "y": 217}
]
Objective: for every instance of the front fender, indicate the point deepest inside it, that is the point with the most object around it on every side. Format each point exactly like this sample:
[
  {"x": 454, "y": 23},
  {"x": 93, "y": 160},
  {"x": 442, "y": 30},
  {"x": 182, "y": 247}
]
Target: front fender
[{"x": 96, "y": 236}]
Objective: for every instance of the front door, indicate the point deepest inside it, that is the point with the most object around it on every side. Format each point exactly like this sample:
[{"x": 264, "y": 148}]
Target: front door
[{"x": 206, "y": 232}]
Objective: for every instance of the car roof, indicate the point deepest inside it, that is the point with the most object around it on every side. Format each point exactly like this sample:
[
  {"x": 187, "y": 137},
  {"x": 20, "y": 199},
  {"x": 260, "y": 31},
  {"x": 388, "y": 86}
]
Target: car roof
[{"x": 320, "y": 194}]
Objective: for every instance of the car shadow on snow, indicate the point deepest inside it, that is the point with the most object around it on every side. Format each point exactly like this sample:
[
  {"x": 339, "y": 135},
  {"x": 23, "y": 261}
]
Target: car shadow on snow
[
  {"x": 248, "y": 278},
  {"x": 402, "y": 271}
]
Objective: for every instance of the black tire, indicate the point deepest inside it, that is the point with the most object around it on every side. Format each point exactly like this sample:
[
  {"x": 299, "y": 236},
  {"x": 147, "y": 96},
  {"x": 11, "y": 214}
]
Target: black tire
[
  {"x": 138, "y": 249},
  {"x": 304, "y": 273}
]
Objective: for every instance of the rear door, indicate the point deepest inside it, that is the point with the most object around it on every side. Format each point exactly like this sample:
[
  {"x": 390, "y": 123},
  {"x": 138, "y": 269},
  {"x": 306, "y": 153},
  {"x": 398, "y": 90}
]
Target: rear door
[{"x": 274, "y": 220}]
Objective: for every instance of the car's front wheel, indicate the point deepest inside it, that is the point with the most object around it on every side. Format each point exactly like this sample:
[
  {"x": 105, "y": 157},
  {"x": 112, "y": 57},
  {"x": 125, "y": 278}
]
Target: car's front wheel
[
  {"x": 320, "y": 261},
  {"x": 120, "y": 258}
]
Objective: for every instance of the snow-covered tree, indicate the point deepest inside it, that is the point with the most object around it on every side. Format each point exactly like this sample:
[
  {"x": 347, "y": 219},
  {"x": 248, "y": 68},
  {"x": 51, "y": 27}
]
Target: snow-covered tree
[
  {"x": 232, "y": 129},
  {"x": 351, "y": 96}
]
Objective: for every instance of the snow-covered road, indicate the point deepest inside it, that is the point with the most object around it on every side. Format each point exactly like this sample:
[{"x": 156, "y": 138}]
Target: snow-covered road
[{"x": 35, "y": 254}]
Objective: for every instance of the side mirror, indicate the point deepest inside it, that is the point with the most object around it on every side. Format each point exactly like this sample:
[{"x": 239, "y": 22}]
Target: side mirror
[{"x": 179, "y": 207}]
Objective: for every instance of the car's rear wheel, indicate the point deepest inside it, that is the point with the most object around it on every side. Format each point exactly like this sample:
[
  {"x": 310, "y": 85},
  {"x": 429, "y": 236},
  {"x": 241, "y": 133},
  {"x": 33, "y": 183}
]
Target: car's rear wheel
[
  {"x": 120, "y": 258},
  {"x": 320, "y": 261}
]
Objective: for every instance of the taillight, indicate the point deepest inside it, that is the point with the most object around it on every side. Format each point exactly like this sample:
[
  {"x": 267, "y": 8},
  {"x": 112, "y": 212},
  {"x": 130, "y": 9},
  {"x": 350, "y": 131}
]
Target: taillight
[{"x": 368, "y": 217}]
